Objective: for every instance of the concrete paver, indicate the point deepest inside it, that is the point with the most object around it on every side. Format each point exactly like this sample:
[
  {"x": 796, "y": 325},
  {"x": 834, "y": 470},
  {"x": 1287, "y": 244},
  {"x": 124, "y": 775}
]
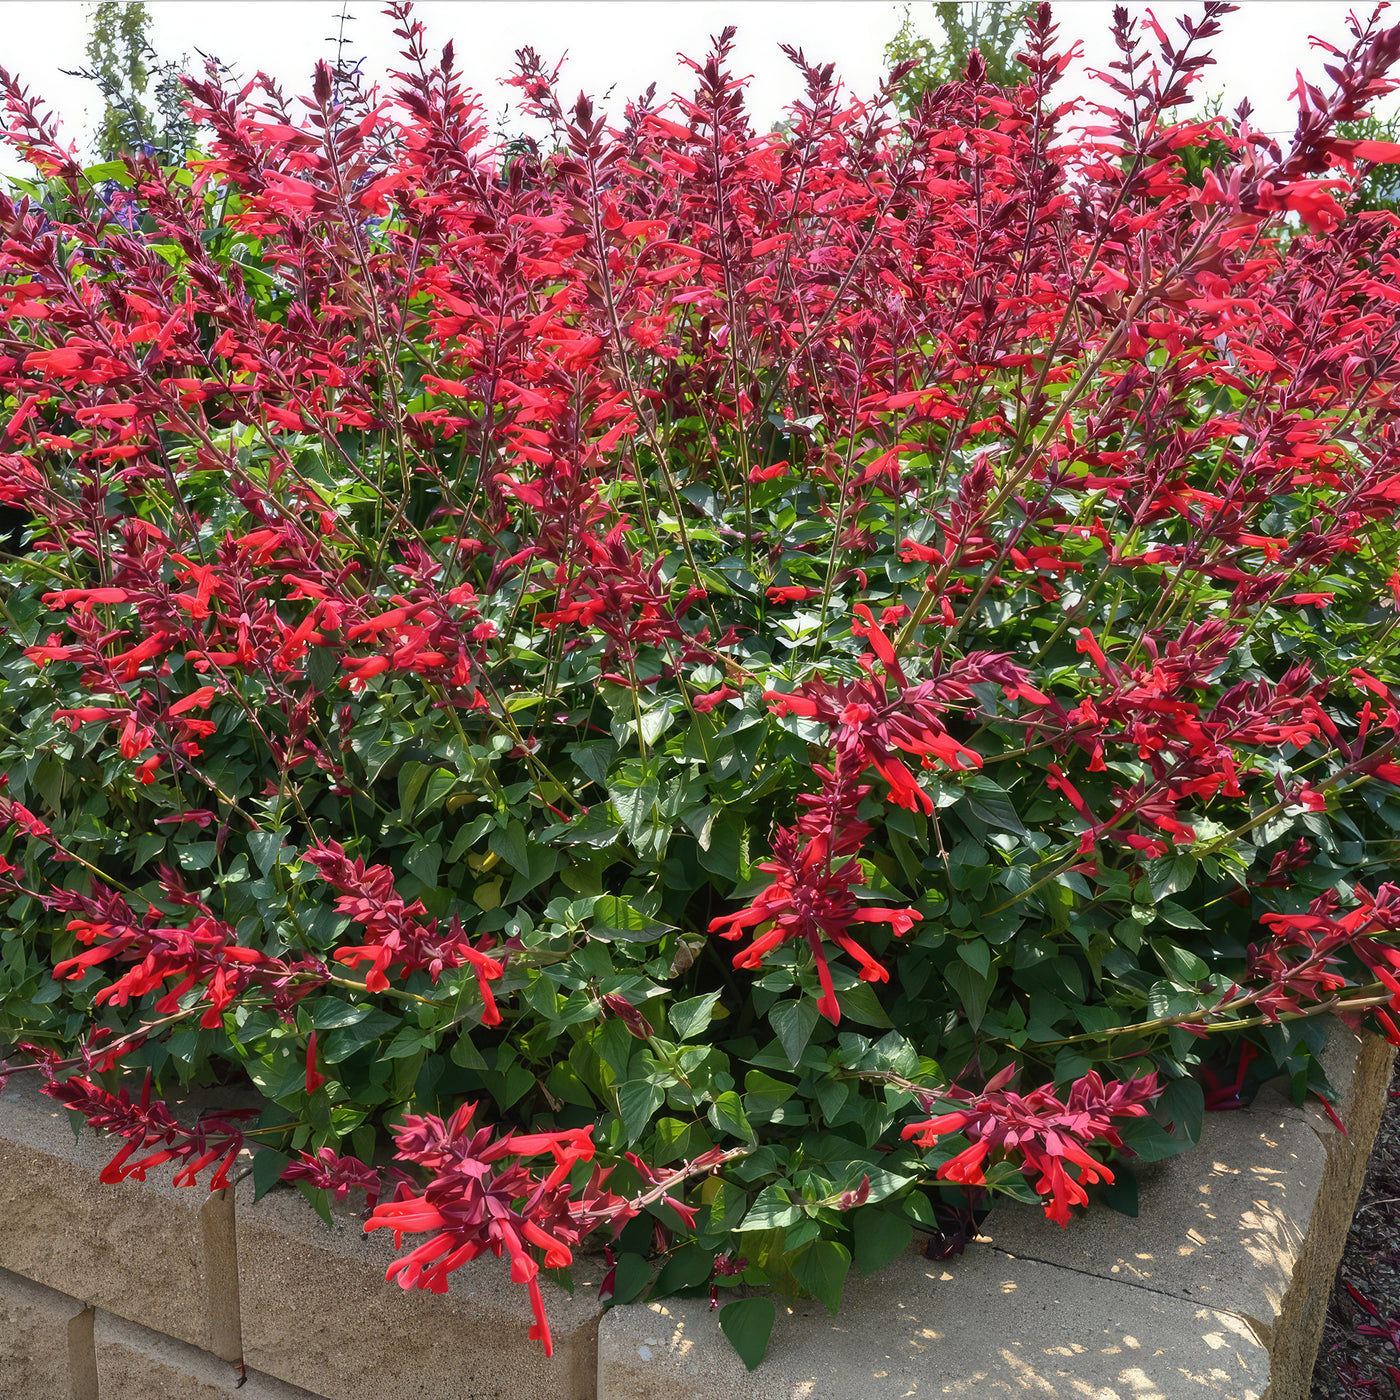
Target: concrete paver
[{"x": 980, "y": 1325}]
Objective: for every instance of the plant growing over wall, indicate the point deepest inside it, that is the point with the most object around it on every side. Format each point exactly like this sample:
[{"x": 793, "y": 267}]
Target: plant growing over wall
[{"x": 733, "y": 693}]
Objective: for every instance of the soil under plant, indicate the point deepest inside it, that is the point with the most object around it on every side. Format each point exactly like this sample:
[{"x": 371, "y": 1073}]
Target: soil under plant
[{"x": 1360, "y": 1351}]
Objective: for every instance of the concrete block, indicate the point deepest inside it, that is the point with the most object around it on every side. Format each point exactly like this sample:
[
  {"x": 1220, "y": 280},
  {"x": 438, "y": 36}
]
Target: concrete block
[
  {"x": 1253, "y": 1221},
  {"x": 134, "y": 1248},
  {"x": 36, "y": 1350},
  {"x": 980, "y": 1325},
  {"x": 1358, "y": 1067},
  {"x": 1222, "y": 1225},
  {"x": 134, "y": 1363},
  {"x": 316, "y": 1312}
]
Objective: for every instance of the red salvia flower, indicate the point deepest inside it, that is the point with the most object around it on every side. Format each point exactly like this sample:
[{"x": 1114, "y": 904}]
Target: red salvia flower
[
  {"x": 399, "y": 933},
  {"x": 145, "y": 1124},
  {"x": 1041, "y": 1131},
  {"x": 485, "y": 1197}
]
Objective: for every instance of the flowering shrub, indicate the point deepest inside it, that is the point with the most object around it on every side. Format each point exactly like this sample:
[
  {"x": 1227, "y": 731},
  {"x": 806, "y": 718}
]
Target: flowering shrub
[{"x": 734, "y": 691}]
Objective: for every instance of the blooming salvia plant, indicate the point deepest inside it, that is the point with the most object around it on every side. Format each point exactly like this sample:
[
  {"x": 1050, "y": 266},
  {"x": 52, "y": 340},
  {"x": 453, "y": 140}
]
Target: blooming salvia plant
[{"x": 719, "y": 693}]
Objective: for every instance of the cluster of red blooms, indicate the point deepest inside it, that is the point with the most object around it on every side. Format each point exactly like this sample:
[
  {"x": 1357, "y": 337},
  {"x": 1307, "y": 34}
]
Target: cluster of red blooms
[
  {"x": 1039, "y": 1130},
  {"x": 870, "y": 721},
  {"x": 204, "y": 953},
  {"x": 400, "y": 933},
  {"x": 327, "y": 1171},
  {"x": 1300, "y": 963},
  {"x": 486, "y": 1197},
  {"x": 145, "y": 1124}
]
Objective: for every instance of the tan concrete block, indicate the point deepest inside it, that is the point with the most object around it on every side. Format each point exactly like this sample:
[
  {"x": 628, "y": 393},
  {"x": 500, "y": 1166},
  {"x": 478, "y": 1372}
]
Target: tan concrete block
[
  {"x": 134, "y": 1248},
  {"x": 317, "y": 1312},
  {"x": 134, "y": 1363},
  {"x": 1222, "y": 1225},
  {"x": 1253, "y": 1221},
  {"x": 1358, "y": 1067},
  {"x": 1219, "y": 1286},
  {"x": 981, "y": 1325},
  {"x": 35, "y": 1361}
]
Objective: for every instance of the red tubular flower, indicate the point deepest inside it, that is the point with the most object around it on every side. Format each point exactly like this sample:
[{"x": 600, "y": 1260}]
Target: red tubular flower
[
  {"x": 13, "y": 813},
  {"x": 703, "y": 704},
  {"x": 1041, "y": 1130},
  {"x": 400, "y": 933},
  {"x": 145, "y": 1124},
  {"x": 484, "y": 1197},
  {"x": 314, "y": 1079},
  {"x": 205, "y": 953},
  {"x": 813, "y": 901},
  {"x": 868, "y": 724},
  {"x": 1322, "y": 936},
  {"x": 338, "y": 1175}
]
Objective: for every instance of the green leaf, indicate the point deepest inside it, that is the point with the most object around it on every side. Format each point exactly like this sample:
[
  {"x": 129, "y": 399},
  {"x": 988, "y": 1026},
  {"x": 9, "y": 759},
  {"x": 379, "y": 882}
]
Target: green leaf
[
  {"x": 1177, "y": 963},
  {"x": 721, "y": 856},
  {"x": 265, "y": 847},
  {"x": 412, "y": 776},
  {"x": 511, "y": 845},
  {"x": 727, "y": 1114},
  {"x": 331, "y": 1014},
  {"x": 148, "y": 844},
  {"x": 988, "y": 802},
  {"x": 763, "y": 1094},
  {"x": 320, "y": 1201},
  {"x": 862, "y": 1006},
  {"x": 1149, "y": 1141},
  {"x": 200, "y": 855},
  {"x": 594, "y": 758},
  {"x": 637, "y": 1100},
  {"x": 976, "y": 955},
  {"x": 689, "y": 1018},
  {"x": 631, "y": 1275},
  {"x": 880, "y": 1236},
  {"x": 972, "y": 989},
  {"x": 1174, "y": 916},
  {"x": 688, "y": 1267},
  {"x": 1170, "y": 875},
  {"x": 340, "y": 1044},
  {"x": 1122, "y": 1194},
  {"x": 440, "y": 782},
  {"x": 465, "y": 1054},
  {"x": 793, "y": 1023},
  {"x": 621, "y": 918},
  {"x": 268, "y": 1167},
  {"x": 748, "y": 1324},
  {"x": 407, "y": 1042},
  {"x": 1183, "y": 1105},
  {"x": 423, "y": 860},
  {"x": 635, "y": 806},
  {"x": 771, "y": 1211},
  {"x": 821, "y": 1269},
  {"x": 467, "y": 836}
]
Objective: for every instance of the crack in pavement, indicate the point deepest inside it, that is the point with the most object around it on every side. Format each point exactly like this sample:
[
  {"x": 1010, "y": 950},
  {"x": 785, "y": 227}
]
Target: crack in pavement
[{"x": 1253, "y": 1323}]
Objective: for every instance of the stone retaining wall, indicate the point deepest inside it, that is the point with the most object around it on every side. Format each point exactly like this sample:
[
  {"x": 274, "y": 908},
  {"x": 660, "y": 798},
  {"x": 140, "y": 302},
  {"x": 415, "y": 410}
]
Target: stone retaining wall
[{"x": 1218, "y": 1288}]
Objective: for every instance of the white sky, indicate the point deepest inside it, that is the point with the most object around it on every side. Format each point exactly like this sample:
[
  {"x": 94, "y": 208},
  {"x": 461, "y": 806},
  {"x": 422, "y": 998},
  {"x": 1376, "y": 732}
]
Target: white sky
[{"x": 625, "y": 44}]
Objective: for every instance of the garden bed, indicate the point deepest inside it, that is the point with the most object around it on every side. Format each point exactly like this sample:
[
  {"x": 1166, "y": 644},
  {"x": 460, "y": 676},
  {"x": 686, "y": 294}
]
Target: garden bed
[
  {"x": 1217, "y": 1287},
  {"x": 684, "y": 704}
]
